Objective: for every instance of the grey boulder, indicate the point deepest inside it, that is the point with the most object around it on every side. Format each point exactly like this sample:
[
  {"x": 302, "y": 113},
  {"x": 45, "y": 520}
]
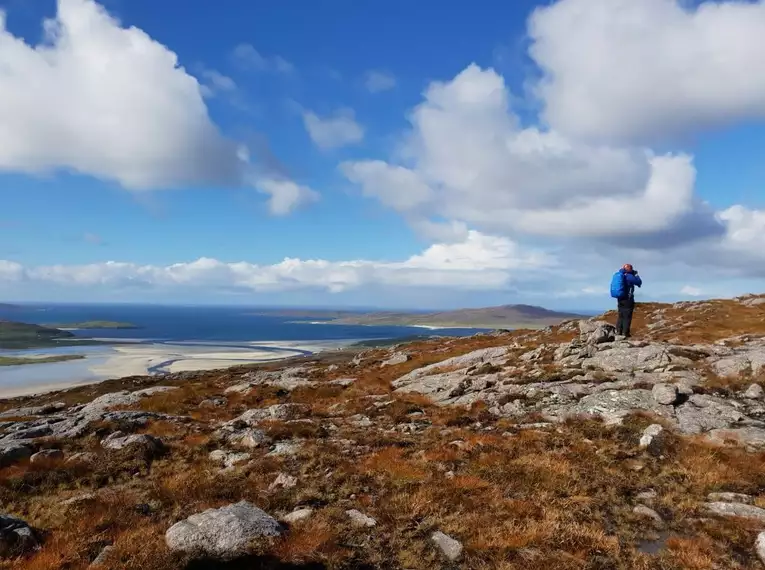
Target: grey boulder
[
  {"x": 223, "y": 533},
  {"x": 16, "y": 537}
]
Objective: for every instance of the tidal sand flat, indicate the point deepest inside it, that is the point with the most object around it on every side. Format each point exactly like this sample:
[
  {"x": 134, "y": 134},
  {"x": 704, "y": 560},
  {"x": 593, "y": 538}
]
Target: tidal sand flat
[{"x": 103, "y": 363}]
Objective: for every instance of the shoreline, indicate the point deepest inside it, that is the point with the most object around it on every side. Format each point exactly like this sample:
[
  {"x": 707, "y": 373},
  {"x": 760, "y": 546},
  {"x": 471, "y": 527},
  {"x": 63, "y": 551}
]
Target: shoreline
[{"x": 155, "y": 359}]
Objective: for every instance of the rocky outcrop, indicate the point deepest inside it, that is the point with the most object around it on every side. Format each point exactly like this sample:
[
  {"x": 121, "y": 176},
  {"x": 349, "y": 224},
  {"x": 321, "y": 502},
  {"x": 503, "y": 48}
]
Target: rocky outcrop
[{"x": 223, "y": 533}]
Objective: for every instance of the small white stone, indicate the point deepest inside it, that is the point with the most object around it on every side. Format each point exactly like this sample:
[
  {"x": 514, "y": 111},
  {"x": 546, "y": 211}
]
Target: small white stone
[
  {"x": 360, "y": 519},
  {"x": 450, "y": 548},
  {"x": 298, "y": 515}
]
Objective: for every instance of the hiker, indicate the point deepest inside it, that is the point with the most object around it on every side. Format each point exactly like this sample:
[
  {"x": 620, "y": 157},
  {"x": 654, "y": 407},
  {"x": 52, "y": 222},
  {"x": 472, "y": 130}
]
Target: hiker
[{"x": 623, "y": 290}]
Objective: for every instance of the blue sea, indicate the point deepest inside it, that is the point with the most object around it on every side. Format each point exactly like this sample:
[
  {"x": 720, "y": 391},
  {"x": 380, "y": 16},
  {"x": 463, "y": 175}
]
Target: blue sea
[{"x": 209, "y": 328}]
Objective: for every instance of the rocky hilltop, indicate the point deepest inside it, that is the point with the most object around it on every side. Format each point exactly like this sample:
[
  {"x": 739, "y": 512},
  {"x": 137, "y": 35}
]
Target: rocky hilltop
[{"x": 558, "y": 448}]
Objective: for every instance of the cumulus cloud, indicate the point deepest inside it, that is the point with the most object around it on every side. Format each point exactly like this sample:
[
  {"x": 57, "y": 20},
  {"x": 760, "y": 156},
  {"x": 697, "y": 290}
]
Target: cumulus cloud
[
  {"x": 623, "y": 70},
  {"x": 690, "y": 291},
  {"x": 377, "y": 81},
  {"x": 109, "y": 101},
  {"x": 247, "y": 56},
  {"x": 106, "y": 101},
  {"x": 285, "y": 195},
  {"x": 337, "y": 130},
  {"x": 479, "y": 262},
  {"x": 467, "y": 158}
]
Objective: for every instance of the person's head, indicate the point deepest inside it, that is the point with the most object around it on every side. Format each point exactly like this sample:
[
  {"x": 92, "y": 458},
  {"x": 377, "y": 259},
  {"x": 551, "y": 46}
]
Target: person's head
[{"x": 628, "y": 267}]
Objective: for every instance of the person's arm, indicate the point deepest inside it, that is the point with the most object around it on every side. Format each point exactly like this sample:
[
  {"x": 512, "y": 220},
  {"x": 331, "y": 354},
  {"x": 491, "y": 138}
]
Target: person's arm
[{"x": 634, "y": 280}]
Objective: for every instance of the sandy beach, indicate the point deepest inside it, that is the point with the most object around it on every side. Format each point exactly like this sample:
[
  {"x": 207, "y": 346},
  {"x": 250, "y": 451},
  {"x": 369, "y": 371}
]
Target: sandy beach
[{"x": 143, "y": 359}]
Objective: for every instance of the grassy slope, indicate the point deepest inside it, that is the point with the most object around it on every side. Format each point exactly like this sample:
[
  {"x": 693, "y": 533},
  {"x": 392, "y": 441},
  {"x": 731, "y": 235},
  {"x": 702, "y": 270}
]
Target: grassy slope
[{"x": 517, "y": 499}]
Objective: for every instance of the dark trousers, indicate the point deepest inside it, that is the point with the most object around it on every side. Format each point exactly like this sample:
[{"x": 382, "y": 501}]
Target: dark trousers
[{"x": 624, "y": 322}]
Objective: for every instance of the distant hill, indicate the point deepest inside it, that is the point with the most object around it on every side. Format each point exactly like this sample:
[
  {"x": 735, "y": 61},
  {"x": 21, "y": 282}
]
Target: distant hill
[
  {"x": 8, "y": 307},
  {"x": 505, "y": 316},
  {"x": 15, "y": 335}
]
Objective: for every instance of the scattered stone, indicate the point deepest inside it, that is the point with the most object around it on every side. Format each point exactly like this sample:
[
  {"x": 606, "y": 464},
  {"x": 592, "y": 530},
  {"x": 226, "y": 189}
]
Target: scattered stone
[
  {"x": 229, "y": 459},
  {"x": 223, "y": 533},
  {"x": 665, "y": 394},
  {"x": 450, "y": 548},
  {"x": 650, "y": 436},
  {"x": 342, "y": 382},
  {"x": 103, "y": 558},
  {"x": 736, "y": 510},
  {"x": 731, "y": 498},
  {"x": 11, "y": 453},
  {"x": 648, "y": 495},
  {"x": 283, "y": 481},
  {"x": 754, "y": 392},
  {"x": 648, "y": 512},
  {"x": 285, "y": 448},
  {"x": 759, "y": 546},
  {"x": 47, "y": 455},
  {"x": 83, "y": 457},
  {"x": 79, "y": 499},
  {"x": 360, "y": 421},
  {"x": 242, "y": 388},
  {"x": 360, "y": 519},
  {"x": 298, "y": 515},
  {"x": 16, "y": 537},
  {"x": 213, "y": 403},
  {"x": 396, "y": 358}
]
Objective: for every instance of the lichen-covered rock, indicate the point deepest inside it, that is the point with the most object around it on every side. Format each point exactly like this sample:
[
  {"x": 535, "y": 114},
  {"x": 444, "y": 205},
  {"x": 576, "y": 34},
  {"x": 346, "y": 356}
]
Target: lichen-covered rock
[
  {"x": 702, "y": 413},
  {"x": 596, "y": 332},
  {"x": 229, "y": 459},
  {"x": 145, "y": 442},
  {"x": 223, "y": 533},
  {"x": 298, "y": 515},
  {"x": 736, "y": 510},
  {"x": 754, "y": 392},
  {"x": 665, "y": 394},
  {"x": 752, "y": 437}
]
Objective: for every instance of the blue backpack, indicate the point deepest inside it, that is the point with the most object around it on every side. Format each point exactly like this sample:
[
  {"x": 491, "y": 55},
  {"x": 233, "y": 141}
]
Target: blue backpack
[{"x": 618, "y": 286}]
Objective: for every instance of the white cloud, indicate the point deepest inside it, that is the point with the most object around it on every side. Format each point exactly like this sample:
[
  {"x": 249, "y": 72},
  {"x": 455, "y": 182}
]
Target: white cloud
[
  {"x": 110, "y": 102},
  {"x": 690, "y": 291},
  {"x": 106, "y": 101},
  {"x": 217, "y": 82},
  {"x": 338, "y": 130},
  {"x": 642, "y": 70},
  {"x": 377, "y": 81},
  {"x": 247, "y": 56},
  {"x": 285, "y": 195},
  {"x": 479, "y": 262},
  {"x": 466, "y": 158}
]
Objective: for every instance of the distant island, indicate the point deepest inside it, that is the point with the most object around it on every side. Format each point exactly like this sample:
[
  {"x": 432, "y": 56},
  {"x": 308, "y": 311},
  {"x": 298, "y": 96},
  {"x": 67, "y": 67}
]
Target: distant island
[
  {"x": 17, "y": 360},
  {"x": 8, "y": 307},
  {"x": 95, "y": 325},
  {"x": 16, "y": 336},
  {"x": 502, "y": 317}
]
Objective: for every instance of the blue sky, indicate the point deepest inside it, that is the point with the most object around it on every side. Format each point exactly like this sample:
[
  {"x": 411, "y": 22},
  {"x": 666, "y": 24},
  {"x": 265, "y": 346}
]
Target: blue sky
[{"x": 401, "y": 154}]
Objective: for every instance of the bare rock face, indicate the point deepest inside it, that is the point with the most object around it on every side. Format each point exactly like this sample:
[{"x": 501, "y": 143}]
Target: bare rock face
[
  {"x": 223, "y": 533},
  {"x": 16, "y": 537}
]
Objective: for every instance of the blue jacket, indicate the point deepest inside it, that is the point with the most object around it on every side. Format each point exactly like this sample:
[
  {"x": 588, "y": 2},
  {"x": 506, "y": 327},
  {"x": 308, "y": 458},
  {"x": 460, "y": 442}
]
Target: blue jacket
[{"x": 631, "y": 280}]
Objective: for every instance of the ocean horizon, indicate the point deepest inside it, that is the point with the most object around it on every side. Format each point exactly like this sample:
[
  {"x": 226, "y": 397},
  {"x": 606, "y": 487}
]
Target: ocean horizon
[{"x": 171, "y": 338}]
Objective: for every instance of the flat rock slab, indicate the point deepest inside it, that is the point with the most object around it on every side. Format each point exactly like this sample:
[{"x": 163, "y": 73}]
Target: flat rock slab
[
  {"x": 747, "y": 436},
  {"x": 735, "y": 510},
  {"x": 223, "y": 533},
  {"x": 11, "y": 453}
]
